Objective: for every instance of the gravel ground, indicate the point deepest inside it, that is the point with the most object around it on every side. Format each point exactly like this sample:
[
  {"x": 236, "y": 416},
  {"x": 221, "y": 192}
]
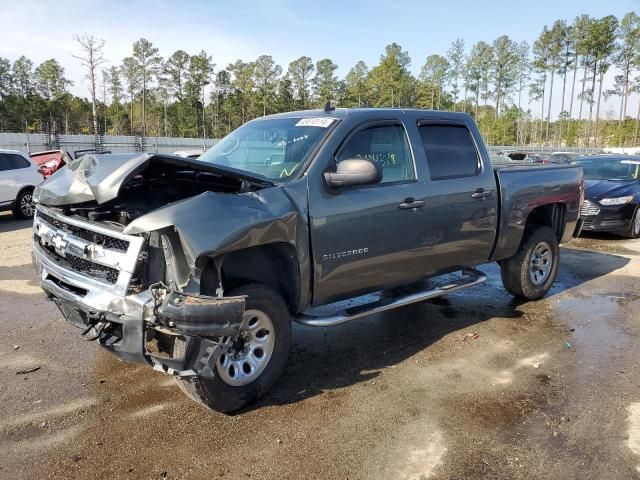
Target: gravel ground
[{"x": 473, "y": 385}]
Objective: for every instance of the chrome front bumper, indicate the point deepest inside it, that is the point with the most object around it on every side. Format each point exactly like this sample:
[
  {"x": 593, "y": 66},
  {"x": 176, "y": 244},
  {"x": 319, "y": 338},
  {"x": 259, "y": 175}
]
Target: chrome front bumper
[
  {"x": 133, "y": 318},
  {"x": 84, "y": 300}
]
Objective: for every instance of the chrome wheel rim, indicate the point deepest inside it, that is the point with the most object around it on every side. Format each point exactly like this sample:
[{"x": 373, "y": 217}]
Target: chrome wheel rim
[
  {"x": 541, "y": 263},
  {"x": 26, "y": 205},
  {"x": 636, "y": 224},
  {"x": 244, "y": 358}
]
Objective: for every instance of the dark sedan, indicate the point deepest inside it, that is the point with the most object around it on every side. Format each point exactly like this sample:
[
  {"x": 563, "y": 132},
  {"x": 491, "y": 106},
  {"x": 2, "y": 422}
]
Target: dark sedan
[{"x": 612, "y": 194}]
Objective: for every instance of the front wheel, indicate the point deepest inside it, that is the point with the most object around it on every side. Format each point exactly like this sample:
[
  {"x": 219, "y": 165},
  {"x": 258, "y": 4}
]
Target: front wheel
[
  {"x": 530, "y": 273},
  {"x": 251, "y": 362},
  {"x": 634, "y": 228}
]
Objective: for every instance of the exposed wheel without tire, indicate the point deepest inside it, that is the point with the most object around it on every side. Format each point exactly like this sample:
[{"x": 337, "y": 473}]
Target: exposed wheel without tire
[
  {"x": 532, "y": 270},
  {"x": 24, "y": 207},
  {"x": 253, "y": 361}
]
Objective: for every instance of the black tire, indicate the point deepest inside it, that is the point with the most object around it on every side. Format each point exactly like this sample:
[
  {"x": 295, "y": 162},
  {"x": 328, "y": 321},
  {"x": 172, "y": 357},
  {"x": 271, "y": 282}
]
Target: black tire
[
  {"x": 516, "y": 271},
  {"x": 634, "y": 228},
  {"x": 218, "y": 395},
  {"x": 24, "y": 208}
]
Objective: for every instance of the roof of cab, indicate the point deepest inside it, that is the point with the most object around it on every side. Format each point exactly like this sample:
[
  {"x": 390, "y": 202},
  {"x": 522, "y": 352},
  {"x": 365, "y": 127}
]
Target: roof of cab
[{"x": 375, "y": 112}]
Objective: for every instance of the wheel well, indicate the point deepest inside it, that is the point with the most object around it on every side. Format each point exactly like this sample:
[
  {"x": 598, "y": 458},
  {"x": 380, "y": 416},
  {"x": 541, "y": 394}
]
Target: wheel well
[
  {"x": 274, "y": 265},
  {"x": 551, "y": 215},
  {"x": 24, "y": 189}
]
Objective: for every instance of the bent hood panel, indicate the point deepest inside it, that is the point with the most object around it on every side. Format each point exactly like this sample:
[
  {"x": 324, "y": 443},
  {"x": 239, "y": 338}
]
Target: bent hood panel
[
  {"x": 100, "y": 177},
  {"x": 214, "y": 222}
]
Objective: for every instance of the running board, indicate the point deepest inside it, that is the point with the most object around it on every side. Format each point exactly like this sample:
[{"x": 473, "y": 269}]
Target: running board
[{"x": 470, "y": 277}]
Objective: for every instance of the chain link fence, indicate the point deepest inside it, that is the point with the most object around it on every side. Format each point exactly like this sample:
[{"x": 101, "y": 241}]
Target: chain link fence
[{"x": 31, "y": 143}]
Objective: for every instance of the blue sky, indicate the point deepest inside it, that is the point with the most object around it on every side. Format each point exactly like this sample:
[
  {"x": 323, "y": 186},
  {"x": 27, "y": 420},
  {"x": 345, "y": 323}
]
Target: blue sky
[{"x": 345, "y": 31}]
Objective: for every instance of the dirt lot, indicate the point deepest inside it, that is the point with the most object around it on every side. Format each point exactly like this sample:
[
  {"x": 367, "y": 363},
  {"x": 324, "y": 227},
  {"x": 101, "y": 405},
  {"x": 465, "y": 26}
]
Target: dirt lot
[{"x": 475, "y": 385}]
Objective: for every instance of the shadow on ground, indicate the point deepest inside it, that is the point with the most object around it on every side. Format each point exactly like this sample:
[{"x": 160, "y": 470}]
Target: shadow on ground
[{"x": 9, "y": 223}]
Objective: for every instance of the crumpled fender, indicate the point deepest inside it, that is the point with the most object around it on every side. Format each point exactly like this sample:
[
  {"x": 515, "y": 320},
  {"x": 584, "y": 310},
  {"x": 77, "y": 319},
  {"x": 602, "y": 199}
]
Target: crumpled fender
[{"x": 217, "y": 223}]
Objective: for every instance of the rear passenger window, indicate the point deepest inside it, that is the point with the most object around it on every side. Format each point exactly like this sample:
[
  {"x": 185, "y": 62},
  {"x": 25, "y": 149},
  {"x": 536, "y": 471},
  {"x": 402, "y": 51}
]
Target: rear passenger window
[
  {"x": 16, "y": 161},
  {"x": 386, "y": 145},
  {"x": 450, "y": 150},
  {"x": 5, "y": 163}
]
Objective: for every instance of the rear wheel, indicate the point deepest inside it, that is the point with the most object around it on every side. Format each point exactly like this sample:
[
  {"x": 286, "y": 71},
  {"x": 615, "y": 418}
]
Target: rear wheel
[
  {"x": 532, "y": 270},
  {"x": 24, "y": 207},
  {"x": 251, "y": 362}
]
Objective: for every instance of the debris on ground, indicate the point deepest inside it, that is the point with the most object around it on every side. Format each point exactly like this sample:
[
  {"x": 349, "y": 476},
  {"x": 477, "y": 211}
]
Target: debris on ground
[
  {"x": 568, "y": 345},
  {"x": 468, "y": 336},
  {"x": 27, "y": 370}
]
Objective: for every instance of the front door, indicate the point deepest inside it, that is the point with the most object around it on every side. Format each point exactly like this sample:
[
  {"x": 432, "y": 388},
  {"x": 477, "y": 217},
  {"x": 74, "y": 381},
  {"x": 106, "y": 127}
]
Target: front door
[{"x": 364, "y": 237}]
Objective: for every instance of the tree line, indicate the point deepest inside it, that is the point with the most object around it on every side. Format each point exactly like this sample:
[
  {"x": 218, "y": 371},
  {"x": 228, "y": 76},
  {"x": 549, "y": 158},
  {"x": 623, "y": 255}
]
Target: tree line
[{"x": 509, "y": 87}]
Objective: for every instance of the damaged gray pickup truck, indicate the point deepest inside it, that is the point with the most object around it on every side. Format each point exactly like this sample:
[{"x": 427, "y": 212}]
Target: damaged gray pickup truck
[{"x": 197, "y": 267}]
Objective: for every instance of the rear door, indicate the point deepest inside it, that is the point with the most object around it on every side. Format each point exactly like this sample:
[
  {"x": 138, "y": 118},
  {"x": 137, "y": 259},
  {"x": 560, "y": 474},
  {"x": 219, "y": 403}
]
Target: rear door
[{"x": 462, "y": 200}]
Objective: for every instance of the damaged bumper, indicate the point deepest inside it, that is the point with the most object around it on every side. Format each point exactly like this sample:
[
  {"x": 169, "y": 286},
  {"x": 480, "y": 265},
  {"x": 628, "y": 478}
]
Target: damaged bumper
[{"x": 130, "y": 324}]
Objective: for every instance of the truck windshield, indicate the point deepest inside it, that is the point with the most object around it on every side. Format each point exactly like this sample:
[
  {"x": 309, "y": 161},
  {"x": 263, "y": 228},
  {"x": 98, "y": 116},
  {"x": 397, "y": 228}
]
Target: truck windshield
[
  {"x": 274, "y": 149},
  {"x": 614, "y": 169}
]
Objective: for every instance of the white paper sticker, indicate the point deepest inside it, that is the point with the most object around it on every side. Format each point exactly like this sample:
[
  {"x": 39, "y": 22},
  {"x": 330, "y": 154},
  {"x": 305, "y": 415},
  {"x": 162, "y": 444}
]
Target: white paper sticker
[
  {"x": 631, "y": 162},
  {"x": 315, "y": 122}
]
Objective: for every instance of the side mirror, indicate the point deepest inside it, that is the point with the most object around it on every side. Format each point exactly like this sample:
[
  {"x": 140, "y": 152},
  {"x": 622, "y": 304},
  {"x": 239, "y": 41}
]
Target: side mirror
[{"x": 355, "y": 171}]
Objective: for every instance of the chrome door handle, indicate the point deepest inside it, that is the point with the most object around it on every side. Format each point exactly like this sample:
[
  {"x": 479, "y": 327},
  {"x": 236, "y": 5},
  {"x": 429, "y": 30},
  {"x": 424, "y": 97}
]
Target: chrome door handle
[
  {"x": 481, "y": 194},
  {"x": 411, "y": 204}
]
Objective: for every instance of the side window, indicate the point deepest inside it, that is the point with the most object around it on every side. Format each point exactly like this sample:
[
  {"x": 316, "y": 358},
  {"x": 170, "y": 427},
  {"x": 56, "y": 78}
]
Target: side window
[
  {"x": 450, "y": 150},
  {"x": 16, "y": 161},
  {"x": 385, "y": 144},
  {"x": 5, "y": 163}
]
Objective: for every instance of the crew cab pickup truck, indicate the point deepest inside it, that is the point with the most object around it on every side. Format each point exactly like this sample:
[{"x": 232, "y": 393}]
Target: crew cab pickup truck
[{"x": 198, "y": 267}]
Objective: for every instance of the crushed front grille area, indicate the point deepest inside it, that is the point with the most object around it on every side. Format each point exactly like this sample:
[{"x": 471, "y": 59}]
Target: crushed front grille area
[{"x": 94, "y": 237}]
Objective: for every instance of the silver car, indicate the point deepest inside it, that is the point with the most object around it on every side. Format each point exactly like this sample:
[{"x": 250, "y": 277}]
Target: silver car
[{"x": 19, "y": 175}]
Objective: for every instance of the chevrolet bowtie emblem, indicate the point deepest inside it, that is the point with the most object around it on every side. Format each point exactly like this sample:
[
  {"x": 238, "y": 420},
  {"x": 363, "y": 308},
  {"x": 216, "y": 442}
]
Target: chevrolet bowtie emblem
[{"x": 59, "y": 243}]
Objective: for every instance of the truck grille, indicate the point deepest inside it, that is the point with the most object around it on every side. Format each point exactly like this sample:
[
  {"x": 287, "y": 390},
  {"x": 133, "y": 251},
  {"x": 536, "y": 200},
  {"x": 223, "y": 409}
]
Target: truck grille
[
  {"x": 83, "y": 248},
  {"x": 80, "y": 265},
  {"x": 88, "y": 235},
  {"x": 589, "y": 209}
]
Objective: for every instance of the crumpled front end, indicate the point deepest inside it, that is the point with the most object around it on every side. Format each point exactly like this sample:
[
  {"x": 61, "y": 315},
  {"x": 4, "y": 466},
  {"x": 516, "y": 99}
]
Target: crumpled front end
[{"x": 99, "y": 277}]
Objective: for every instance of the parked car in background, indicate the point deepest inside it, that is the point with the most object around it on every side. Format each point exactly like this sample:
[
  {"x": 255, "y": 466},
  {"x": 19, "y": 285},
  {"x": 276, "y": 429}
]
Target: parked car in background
[
  {"x": 19, "y": 175},
  {"x": 523, "y": 157},
  {"x": 538, "y": 158},
  {"x": 188, "y": 153},
  {"x": 501, "y": 160},
  {"x": 51, "y": 160},
  {"x": 612, "y": 194},
  {"x": 563, "y": 157}
]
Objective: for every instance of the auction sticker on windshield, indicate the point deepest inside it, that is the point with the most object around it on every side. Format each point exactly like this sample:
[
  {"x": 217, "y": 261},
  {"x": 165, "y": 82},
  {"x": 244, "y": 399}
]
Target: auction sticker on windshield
[{"x": 315, "y": 122}]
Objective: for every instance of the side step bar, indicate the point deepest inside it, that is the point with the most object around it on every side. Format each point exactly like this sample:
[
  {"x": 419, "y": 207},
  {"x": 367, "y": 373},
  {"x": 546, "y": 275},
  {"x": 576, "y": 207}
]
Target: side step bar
[{"x": 470, "y": 278}]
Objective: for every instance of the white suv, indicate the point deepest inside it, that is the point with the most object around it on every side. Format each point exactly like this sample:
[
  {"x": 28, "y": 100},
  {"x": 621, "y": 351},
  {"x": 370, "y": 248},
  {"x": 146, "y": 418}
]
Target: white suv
[{"x": 19, "y": 175}]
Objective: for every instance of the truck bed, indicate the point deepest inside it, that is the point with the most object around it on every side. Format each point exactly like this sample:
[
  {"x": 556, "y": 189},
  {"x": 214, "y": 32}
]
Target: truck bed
[{"x": 524, "y": 188}]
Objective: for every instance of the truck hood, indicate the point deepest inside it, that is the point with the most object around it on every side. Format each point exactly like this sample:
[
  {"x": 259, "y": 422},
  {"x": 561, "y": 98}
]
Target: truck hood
[{"x": 100, "y": 177}]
